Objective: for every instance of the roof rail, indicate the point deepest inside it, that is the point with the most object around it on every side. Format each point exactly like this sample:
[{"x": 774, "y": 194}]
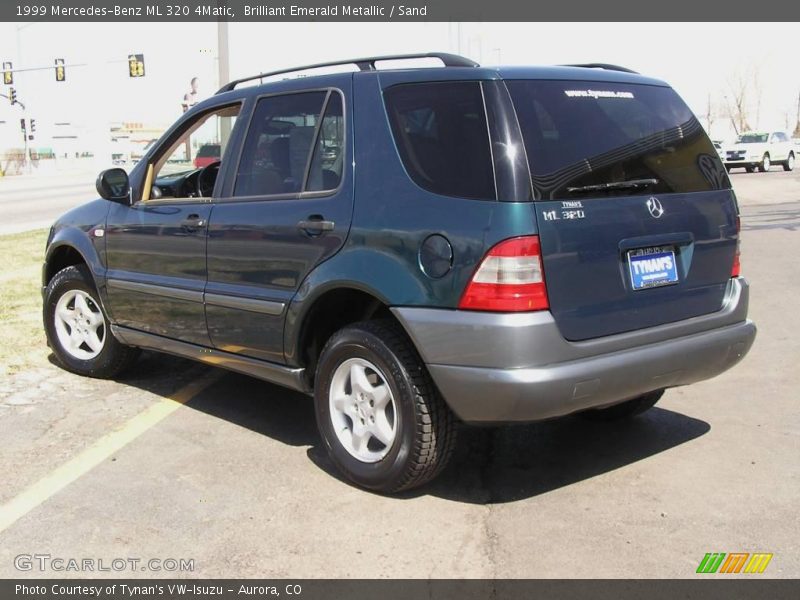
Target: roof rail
[
  {"x": 364, "y": 64},
  {"x": 605, "y": 66}
]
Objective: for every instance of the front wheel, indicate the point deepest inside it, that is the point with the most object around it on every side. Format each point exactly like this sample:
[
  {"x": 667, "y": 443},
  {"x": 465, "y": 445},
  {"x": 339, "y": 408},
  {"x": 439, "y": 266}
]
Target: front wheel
[
  {"x": 789, "y": 164},
  {"x": 382, "y": 421},
  {"x": 765, "y": 164},
  {"x": 624, "y": 410},
  {"x": 77, "y": 329}
]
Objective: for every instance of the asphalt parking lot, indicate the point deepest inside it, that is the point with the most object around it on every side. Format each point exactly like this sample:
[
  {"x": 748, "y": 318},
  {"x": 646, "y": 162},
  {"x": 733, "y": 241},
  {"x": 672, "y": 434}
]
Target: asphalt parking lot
[{"x": 183, "y": 461}]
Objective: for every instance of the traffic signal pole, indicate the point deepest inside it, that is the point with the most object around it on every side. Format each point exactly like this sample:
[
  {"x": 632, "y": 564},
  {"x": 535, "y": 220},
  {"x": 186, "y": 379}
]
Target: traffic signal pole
[{"x": 224, "y": 74}]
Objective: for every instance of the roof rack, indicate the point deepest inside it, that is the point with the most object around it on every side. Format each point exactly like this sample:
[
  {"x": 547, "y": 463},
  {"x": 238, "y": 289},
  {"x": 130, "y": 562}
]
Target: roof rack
[
  {"x": 364, "y": 64},
  {"x": 605, "y": 66}
]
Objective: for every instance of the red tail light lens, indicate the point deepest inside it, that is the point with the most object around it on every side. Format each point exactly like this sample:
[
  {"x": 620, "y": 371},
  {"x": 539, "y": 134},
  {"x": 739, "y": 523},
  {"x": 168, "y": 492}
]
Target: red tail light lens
[
  {"x": 737, "y": 267},
  {"x": 509, "y": 279}
]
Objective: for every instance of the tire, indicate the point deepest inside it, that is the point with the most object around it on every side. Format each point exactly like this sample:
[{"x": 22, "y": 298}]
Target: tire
[
  {"x": 421, "y": 429},
  {"x": 750, "y": 169},
  {"x": 77, "y": 327},
  {"x": 624, "y": 410},
  {"x": 765, "y": 164},
  {"x": 789, "y": 164}
]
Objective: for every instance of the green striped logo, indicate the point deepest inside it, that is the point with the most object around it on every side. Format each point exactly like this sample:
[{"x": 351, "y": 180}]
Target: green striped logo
[
  {"x": 737, "y": 562},
  {"x": 711, "y": 562}
]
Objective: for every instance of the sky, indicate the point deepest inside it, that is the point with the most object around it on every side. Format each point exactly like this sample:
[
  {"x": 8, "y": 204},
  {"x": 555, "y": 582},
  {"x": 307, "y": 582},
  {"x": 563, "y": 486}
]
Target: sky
[{"x": 696, "y": 59}]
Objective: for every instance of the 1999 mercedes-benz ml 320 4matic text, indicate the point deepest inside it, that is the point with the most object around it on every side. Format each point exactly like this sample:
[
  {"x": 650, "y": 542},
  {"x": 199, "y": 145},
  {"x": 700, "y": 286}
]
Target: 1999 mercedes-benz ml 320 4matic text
[{"x": 467, "y": 245}]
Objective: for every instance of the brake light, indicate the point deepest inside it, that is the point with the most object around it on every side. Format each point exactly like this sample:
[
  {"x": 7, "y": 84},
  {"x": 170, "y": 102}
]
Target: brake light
[
  {"x": 737, "y": 267},
  {"x": 509, "y": 279}
]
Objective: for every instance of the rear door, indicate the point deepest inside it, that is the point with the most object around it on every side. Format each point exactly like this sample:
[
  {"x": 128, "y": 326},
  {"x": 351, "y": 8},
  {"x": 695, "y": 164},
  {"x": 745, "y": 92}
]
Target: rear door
[
  {"x": 287, "y": 208},
  {"x": 637, "y": 221}
]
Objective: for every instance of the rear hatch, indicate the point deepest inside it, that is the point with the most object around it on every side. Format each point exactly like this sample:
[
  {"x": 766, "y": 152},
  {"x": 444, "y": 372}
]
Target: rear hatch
[{"x": 637, "y": 222}]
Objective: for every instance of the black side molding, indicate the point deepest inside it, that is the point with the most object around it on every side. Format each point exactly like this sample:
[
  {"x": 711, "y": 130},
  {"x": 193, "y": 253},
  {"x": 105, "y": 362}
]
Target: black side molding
[{"x": 293, "y": 378}]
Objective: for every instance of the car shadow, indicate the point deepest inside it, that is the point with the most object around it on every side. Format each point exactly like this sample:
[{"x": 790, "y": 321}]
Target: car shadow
[
  {"x": 506, "y": 464},
  {"x": 490, "y": 465},
  {"x": 784, "y": 216},
  {"x": 271, "y": 410}
]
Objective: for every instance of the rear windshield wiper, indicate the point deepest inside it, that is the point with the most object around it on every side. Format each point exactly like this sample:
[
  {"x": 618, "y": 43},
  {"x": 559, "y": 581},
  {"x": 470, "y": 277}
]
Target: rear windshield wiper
[{"x": 617, "y": 185}]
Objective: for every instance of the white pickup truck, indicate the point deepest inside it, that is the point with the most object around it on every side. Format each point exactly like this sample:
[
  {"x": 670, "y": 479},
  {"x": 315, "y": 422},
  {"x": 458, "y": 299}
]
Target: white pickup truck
[{"x": 760, "y": 150}]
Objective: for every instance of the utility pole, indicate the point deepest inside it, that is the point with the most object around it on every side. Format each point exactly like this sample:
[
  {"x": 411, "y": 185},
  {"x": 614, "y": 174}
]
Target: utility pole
[{"x": 223, "y": 74}]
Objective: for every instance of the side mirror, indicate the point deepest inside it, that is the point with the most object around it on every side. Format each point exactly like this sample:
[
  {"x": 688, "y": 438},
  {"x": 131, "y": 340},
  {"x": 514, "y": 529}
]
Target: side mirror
[{"x": 113, "y": 184}]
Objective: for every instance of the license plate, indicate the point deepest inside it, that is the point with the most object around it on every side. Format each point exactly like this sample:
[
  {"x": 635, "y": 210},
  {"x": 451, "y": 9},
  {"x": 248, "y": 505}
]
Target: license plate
[{"x": 652, "y": 267}]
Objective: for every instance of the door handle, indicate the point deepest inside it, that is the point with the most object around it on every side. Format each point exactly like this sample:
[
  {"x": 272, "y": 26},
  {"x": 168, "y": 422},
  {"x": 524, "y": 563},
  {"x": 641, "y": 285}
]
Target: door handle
[
  {"x": 192, "y": 223},
  {"x": 315, "y": 225}
]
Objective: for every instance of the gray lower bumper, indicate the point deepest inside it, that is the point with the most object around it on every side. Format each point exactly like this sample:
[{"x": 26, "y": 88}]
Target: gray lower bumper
[{"x": 504, "y": 367}]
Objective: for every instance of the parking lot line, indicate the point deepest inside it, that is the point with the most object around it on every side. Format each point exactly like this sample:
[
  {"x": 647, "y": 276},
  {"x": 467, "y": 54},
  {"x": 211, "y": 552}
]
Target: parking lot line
[{"x": 102, "y": 449}]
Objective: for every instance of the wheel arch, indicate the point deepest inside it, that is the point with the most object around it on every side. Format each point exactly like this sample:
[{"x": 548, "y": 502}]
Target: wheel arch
[
  {"x": 71, "y": 247},
  {"x": 311, "y": 322},
  {"x": 372, "y": 282}
]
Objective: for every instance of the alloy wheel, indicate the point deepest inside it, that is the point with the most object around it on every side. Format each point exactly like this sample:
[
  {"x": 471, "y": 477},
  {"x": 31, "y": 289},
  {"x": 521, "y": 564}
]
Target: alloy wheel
[
  {"x": 80, "y": 326},
  {"x": 363, "y": 410}
]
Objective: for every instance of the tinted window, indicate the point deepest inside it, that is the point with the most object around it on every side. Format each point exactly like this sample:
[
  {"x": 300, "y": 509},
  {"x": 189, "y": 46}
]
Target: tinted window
[
  {"x": 753, "y": 138},
  {"x": 584, "y": 133},
  {"x": 209, "y": 150},
  {"x": 328, "y": 160},
  {"x": 278, "y": 143},
  {"x": 441, "y": 133}
]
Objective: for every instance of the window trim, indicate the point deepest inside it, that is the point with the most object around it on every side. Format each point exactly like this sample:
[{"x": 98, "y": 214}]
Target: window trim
[
  {"x": 301, "y": 195},
  {"x": 150, "y": 174}
]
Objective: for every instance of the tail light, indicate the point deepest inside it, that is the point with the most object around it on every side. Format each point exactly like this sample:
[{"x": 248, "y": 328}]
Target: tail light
[
  {"x": 736, "y": 266},
  {"x": 509, "y": 279}
]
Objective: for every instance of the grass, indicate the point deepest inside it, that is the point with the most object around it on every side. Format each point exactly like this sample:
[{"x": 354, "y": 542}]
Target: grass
[{"x": 22, "y": 341}]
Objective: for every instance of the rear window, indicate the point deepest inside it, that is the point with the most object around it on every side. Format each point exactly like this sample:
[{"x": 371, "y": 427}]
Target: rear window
[
  {"x": 580, "y": 135},
  {"x": 209, "y": 151},
  {"x": 442, "y": 136}
]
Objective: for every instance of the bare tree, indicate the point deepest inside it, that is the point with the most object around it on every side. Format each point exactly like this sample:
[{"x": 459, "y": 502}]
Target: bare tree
[
  {"x": 797, "y": 127},
  {"x": 710, "y": 115},
  {"x": 739, "y": 99},
  {"x": 756, "y": 92}
]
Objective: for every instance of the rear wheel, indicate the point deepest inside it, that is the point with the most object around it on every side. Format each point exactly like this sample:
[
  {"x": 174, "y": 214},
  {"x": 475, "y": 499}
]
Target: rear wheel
[
  {"x": 78, "y": 330},
  {"x": 624, "y": 410},
  {"x": 382, "y": 421},
  {"x": 789, "y": 164},
  {"x": 765, "y": 164}
]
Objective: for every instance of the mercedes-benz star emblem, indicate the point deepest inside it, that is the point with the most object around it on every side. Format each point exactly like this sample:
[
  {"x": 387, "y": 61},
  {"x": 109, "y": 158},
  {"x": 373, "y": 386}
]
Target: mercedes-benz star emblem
[{"x": 654, "y": 206}]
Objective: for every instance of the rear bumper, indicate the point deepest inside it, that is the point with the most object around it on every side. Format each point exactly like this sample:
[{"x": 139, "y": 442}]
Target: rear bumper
[{"x": 494, "y": 368}]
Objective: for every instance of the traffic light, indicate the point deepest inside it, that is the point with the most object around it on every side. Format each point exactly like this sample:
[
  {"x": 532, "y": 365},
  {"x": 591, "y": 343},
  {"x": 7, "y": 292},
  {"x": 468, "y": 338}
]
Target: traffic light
[
  {"x": 12, "y": 96},
  {"x": 8, "y": 73},
  {"x": 22, "y": 125},
  {"x": 61, "y": 74},
  {"x": 33, "y": 125},
  {"x": 136, "y": 65}
]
